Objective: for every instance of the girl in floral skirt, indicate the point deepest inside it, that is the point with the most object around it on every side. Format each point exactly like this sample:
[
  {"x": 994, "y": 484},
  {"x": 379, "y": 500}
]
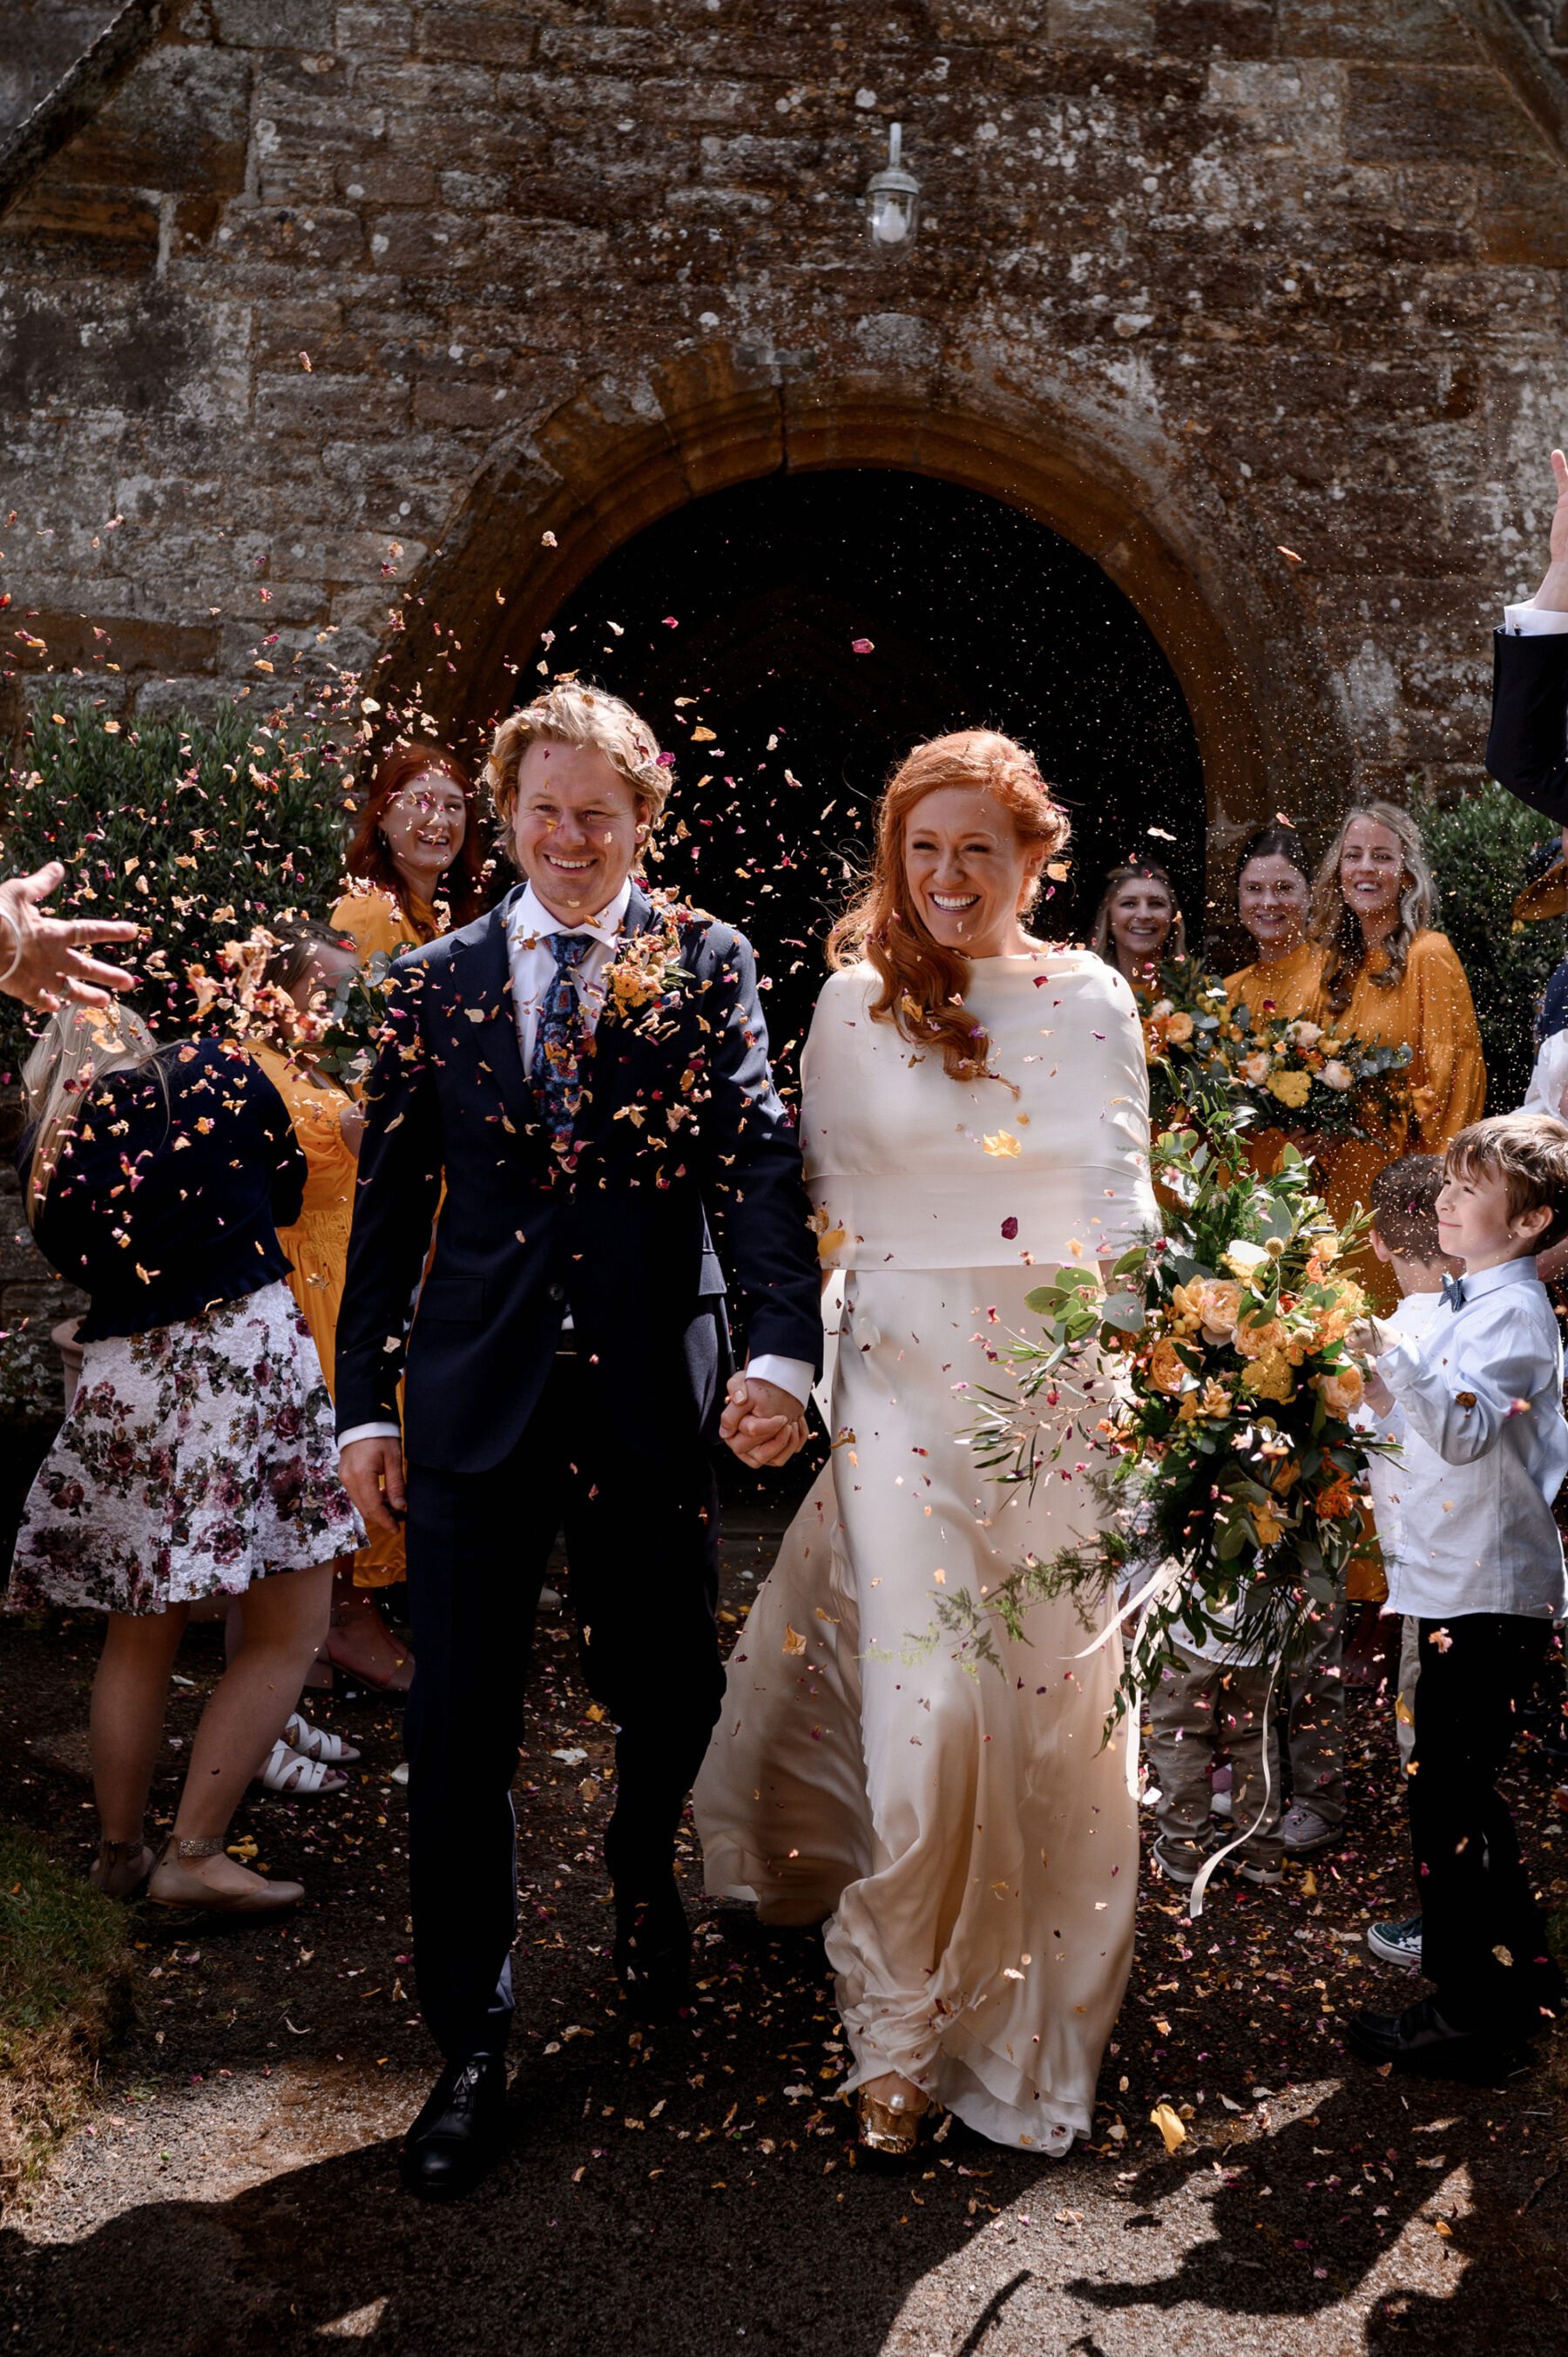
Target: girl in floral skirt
[{"x": 197, "y": 1458}]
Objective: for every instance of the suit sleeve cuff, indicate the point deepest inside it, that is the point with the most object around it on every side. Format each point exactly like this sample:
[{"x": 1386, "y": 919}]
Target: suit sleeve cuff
[
  {"x": 1534, "y": 622},
  {"x": 792, "y": 1375},
  {"x": 368, "y": 1432}
]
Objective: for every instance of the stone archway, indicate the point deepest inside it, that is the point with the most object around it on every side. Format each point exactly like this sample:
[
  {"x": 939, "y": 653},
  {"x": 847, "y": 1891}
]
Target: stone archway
[{"x": 614, "y": 458}]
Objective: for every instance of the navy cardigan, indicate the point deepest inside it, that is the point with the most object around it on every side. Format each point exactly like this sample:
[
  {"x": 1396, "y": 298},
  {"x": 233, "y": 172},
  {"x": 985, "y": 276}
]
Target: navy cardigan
[{"x": 166, "y": 1200}]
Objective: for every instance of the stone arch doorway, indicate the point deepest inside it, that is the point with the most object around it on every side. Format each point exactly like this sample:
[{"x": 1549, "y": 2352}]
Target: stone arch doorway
[
  {"x": 791, "y": 637},
  {"x": 614, "y": 459}
]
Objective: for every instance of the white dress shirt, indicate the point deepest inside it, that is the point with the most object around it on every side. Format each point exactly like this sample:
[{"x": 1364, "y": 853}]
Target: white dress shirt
[
  {"x": 529, "y": 929},
  {"x": 1417, "y": 1467},
  {"x": 1533, "y": 621},
  {"x": 1482, "y": 1386}
]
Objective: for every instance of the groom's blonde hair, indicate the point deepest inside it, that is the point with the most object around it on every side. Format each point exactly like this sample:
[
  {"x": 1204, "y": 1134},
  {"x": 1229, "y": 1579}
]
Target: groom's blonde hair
[{"x": 572, "y": 713}]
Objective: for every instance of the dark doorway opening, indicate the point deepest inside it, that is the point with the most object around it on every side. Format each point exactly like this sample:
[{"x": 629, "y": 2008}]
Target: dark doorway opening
[{"x": 739, "y": 615}]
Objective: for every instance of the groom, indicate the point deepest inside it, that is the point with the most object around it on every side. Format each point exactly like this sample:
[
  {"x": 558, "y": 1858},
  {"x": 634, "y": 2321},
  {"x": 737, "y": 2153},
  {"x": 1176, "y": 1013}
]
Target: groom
[{"x": 587, "y": 1069}]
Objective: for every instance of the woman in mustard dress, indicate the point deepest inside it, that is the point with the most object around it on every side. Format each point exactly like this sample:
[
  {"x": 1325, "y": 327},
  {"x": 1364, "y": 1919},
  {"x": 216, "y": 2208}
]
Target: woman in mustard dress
[
  {"x": 1273, "y": 883},
  {"x": 1388, "y": 979},
  {"x": 417, "y": 855},
  {"x": 328, "y": 1125}
]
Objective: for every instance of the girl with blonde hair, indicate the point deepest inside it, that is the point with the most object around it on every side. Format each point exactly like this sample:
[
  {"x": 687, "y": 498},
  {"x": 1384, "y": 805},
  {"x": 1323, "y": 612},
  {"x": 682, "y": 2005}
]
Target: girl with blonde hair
[{"x": 1390, "y": 978}]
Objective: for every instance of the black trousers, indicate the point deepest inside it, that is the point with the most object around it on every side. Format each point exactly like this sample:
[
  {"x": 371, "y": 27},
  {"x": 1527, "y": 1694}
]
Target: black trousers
[
  {"x": 1471, "y": 1881},
  {"x": 639, "y": 1513}
]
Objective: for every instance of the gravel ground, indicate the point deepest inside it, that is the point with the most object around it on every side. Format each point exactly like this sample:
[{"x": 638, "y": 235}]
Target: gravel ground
[{"x": 695, "y": 2188}]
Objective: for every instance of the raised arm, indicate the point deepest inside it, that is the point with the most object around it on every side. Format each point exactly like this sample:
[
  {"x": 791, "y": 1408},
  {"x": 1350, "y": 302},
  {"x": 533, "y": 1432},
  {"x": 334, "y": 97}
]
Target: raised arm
[
  {"x": 1460, "y": 1404},
  {"x": 1526, "y": 749}
]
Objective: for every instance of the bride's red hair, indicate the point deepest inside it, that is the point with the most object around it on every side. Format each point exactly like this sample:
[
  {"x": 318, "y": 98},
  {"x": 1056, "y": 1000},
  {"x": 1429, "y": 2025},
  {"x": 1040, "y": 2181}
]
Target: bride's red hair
[{"x": 922, "y": 982}]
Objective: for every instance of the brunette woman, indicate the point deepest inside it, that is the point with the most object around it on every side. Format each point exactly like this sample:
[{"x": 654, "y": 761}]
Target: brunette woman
[
  {"x": 1139, "y": 923},
  {"x": 1388, "y": 978},
  {"x": 197, "y": 1458},
  {"x": 418, "y": 844},
  {"x": 1273, "y": 885}
]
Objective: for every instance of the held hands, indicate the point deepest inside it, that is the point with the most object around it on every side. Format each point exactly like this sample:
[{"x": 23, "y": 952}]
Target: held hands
[
  {"x": 40, "y": 957},
  {"x": 762, "y": 1425},
  {"x": 372, "y": 1472}
]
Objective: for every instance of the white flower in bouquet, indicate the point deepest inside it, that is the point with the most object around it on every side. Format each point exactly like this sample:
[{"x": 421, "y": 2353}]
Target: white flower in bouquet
[
  {"x": 1255, "y": 1067},
  {"x": 1305, "y": 1034},
  {"x": 1335, "y": 1075}
]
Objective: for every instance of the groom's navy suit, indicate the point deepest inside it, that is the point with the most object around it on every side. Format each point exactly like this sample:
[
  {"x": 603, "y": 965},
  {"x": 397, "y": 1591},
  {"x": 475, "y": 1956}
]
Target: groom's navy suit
[{"x": 515, "y": 1430}]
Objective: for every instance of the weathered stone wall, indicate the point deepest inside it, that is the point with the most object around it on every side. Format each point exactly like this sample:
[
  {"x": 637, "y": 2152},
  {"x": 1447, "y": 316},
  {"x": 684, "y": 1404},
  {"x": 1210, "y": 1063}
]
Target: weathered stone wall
[{"x": 1198, "y": 278}]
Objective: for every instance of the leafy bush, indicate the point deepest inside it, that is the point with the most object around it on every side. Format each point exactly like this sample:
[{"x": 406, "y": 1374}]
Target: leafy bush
[
  {"x": 1479, "y": 850},
  {"x": 197, "y": 830}
]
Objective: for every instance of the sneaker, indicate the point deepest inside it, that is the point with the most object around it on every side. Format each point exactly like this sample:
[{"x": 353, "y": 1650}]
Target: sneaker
[
  {"x": 1397, "y": 1943},
  {"x": 1253, "y": 1869},
  {"x": 1180, "y": 1860},
  {"x": 1302, "y": 1829}
]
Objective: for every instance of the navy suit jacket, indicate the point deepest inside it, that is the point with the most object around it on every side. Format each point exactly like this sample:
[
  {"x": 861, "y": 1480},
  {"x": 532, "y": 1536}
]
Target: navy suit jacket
[
  {"x": 1526, "y": 749},
  {"x": 679, "y": 1119}
]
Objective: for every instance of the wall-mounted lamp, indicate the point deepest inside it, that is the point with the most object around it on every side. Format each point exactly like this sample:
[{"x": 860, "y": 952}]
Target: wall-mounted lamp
[{"x": 893, "y": 201}]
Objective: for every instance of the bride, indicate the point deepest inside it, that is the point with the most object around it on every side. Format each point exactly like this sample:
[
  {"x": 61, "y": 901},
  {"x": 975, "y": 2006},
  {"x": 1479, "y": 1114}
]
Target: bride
[{"x": 975, "y": 1113}]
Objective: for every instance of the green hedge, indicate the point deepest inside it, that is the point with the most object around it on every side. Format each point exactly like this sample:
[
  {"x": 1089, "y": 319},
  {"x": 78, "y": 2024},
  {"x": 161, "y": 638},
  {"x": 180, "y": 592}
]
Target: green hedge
[
  {"x": 1479, "y": 850},
  {"x": 197, "y": 830}
]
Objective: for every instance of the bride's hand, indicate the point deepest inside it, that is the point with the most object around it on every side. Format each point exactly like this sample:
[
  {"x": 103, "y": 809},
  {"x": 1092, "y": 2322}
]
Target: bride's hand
[{"x": 761, "y": 1424}]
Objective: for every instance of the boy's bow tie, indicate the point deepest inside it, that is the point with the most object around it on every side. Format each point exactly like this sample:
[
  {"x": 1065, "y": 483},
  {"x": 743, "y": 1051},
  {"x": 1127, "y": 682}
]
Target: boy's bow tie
[{"x": 1453, "y": 1292}]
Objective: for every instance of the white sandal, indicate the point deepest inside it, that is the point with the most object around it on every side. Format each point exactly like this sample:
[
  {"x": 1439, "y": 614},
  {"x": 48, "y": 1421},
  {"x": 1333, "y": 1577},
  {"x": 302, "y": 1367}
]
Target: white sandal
[
  {"x": 316, "y": 1743},
  {"x": 287, "y": 1770}
]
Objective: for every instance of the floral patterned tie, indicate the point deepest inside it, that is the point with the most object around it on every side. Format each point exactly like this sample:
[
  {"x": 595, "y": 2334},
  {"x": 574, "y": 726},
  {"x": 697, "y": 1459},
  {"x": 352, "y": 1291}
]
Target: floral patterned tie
[{"x": 557, "y": 1072}]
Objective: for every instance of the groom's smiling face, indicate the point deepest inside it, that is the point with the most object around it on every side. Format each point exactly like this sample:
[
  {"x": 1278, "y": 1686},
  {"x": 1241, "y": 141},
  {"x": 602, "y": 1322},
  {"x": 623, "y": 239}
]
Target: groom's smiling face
[{"x": 577, "y": 827}]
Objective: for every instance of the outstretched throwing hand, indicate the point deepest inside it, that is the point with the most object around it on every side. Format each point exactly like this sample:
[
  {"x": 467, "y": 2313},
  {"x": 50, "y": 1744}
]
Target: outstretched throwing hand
[{"x": 40, "y": 957}]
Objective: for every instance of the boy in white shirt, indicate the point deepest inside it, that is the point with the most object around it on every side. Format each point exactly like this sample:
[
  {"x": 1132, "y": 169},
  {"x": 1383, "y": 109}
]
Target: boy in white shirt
[
  {"x": 1405, "y": 1239},
  {"x": 1480, "y": 1565}
]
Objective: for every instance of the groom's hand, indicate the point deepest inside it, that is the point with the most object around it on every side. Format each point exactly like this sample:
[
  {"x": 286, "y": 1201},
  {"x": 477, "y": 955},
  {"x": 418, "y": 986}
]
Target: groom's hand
[
  {"x": 372, "y": 1472},
  {"x": 762, "y": 1424}
]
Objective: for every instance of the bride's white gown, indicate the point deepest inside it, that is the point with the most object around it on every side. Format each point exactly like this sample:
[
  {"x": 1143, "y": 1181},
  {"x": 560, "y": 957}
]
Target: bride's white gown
[{"x": 974, "y": 1845}]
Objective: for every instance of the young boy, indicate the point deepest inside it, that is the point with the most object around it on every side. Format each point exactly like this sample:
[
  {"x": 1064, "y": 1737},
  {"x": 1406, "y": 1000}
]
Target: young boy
[
  {"x": 1405, "y": 1239},
  {"x": 1480, "y": 1565}
]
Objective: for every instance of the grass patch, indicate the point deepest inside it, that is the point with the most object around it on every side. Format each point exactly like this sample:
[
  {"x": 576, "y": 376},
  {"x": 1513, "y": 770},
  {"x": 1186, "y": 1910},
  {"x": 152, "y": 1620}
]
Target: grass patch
[{"x": 65, "y": 1994}]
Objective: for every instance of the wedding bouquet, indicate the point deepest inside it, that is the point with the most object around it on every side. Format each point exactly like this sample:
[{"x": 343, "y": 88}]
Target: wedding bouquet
[
  {"x": 349, "y": 1025},
  {"x": 1299, "y": 1075},
  {"x": 1288, "y": 1074},
  {"x": 1185, "y": 1029},
  {"x": 1220, "y": 1388}
]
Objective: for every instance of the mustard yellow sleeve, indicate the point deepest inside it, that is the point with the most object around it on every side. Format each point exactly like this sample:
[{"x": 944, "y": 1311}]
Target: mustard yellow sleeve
[
  {"x": 373, "y": 922},
  {"x": 1446, "y": 1039}
]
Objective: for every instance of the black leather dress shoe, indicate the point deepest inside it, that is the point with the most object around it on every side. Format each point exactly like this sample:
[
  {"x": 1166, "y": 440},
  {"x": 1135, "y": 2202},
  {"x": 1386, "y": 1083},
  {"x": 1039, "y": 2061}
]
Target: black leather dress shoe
[
  {"x": 1420, "y": 2039},
  {"x": 653, "y": 1955},
  {"x": 461, "y": 2132}
]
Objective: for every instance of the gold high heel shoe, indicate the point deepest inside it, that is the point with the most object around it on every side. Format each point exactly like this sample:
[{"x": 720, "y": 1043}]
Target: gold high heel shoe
[{"x": 891, "y": 2125}]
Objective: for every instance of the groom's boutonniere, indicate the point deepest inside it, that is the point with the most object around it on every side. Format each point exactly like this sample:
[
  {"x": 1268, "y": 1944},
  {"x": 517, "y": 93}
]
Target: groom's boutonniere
[{"x": 645, "y": 978}]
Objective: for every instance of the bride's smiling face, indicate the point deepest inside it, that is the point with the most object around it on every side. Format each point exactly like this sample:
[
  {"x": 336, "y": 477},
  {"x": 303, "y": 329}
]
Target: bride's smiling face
[{"x": 969, "y": 874}]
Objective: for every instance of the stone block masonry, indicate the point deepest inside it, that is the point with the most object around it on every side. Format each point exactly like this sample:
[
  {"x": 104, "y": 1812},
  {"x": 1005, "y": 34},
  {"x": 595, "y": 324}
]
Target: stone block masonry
[{"x": 1196, "y": 278}]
